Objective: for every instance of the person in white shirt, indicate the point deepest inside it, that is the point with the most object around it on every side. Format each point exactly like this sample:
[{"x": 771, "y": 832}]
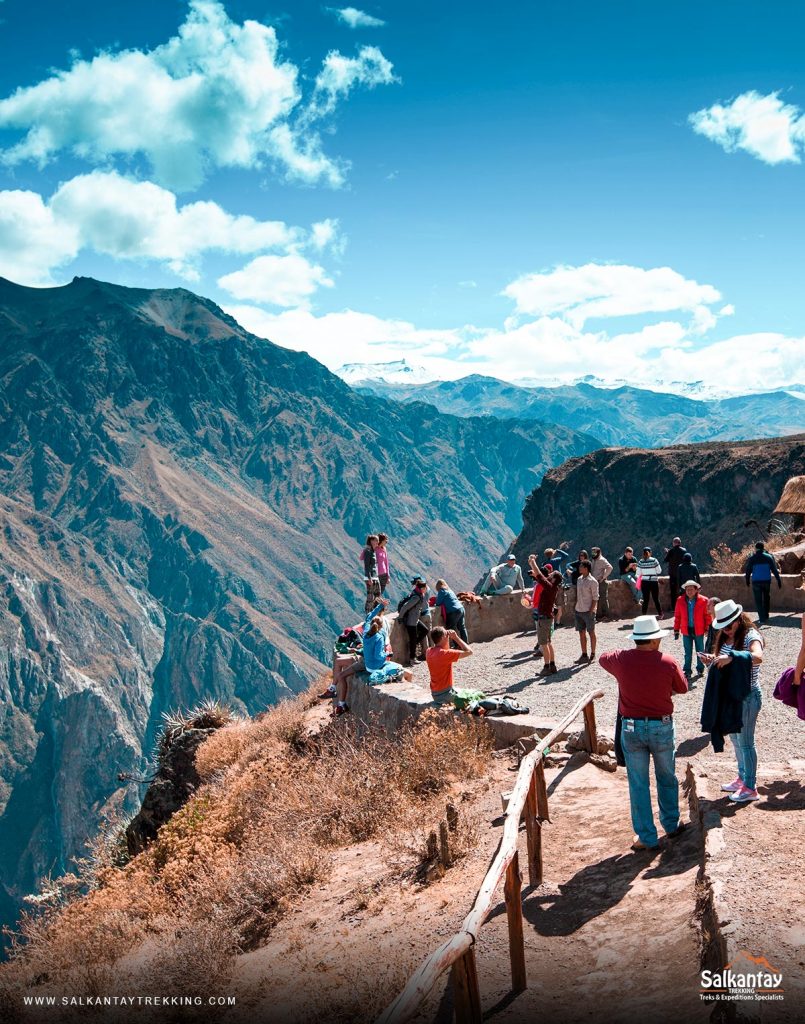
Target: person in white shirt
[{"x": 601, "y": 570}]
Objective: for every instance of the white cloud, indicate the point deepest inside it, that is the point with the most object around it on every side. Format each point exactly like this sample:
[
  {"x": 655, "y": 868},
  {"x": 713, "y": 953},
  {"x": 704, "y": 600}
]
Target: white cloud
[
  {"x": 32, "y": 241},
  {"x": 340, "y": 74},
  {"x": 550, "y": 348},
  {"x": 356, "y": 19},
  {"x": 277, "y": 280},
  {"x": 126, "y": 219},
  {"x": 597, "y": 290},
  {"x": 764, "y": 126},
  {"x": 218, "y": 94}
]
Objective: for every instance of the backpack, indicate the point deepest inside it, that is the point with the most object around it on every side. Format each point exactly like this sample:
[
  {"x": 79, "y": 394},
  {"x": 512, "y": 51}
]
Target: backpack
[{"x": 402, "y": 603}]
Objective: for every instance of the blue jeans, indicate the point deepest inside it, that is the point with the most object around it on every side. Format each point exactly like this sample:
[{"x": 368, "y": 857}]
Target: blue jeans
[
  {"x": 762, "y": 595},
  {"x": 688, "y": 643},
  {"x": 641, "y": 741},
  {"x": 744, "y": 741}
]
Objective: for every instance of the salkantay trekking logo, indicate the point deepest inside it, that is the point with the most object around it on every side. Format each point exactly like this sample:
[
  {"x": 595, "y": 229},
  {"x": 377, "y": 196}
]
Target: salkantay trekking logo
[{"x": 747, "y": 977}]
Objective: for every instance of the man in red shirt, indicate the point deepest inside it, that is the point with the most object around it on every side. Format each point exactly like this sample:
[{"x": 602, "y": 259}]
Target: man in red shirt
[
  {"x": 440, "y": 659},
  {"x": 646, "y": 681}
]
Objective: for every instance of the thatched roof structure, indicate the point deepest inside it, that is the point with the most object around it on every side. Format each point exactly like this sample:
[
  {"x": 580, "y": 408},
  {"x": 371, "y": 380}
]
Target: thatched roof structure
[{"x": 792, "y": 501}]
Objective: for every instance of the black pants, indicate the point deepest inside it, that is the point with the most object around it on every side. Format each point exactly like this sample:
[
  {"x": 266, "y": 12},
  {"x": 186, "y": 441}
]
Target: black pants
[
  {"x": 673, "y": 586},
  {"x": 416, "y": 633},
  {"x": 651, "y": 588},
  {"x": 762, "y": 595},
  {"x": 455, "y": 620}
]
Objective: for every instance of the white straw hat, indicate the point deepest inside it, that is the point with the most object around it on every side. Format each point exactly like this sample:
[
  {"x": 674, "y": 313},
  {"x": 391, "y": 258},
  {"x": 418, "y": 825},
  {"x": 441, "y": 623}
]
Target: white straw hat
[
  {"x": 646, "y": 627},
  {"x": 725, "y": 613}
]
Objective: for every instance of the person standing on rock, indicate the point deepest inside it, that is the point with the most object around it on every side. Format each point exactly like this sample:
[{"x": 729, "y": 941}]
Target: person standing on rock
[
  {"x": 601, "y": 570},
  {"x": 759, "y": 570},
  {"x": 673, "y": 559},
  {"x": 382, "y": 562},
  {"x": 370, "y": 572},
  {"x": 586, "y": 607},
  {"x": 650, "y": 571},
  {"x": 504, "y": 578},
  {"x": 454, "y": 617},
  {"x": 737, "y": 638},
  {"x": 647, "y": 680},
  {"x": 692, "y": 619}
]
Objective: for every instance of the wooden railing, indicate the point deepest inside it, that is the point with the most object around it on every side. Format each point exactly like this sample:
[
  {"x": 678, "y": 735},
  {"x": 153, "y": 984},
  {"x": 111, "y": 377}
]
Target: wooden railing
[{"x": 529, "y": 799}]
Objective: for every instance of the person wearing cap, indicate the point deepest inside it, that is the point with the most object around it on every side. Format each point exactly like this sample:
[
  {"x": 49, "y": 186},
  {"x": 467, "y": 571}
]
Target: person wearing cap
[
  {"x": 692, "y": 619},
  {"x": 688, "y": 570},
  {"x": 647, "y": 680},
  {"x": 453, "y": 610},
  {"x": 411, "y": 612},
  {"x": 504, "y": 578},
  {"x": 759, "y": 570},
  {"x": 674, "y": 556},
  {"x": 732, "y": 696}
]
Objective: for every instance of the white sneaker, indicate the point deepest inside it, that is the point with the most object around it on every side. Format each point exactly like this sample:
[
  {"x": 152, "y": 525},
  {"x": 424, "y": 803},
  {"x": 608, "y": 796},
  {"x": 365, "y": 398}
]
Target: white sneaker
[
  {"x": 733, "y": 787},
  {"x": 743, "y": 795}
]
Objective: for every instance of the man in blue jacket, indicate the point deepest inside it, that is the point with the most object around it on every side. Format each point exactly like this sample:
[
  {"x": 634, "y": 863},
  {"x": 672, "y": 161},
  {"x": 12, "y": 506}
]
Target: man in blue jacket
[{"x": 759, "y": 571}]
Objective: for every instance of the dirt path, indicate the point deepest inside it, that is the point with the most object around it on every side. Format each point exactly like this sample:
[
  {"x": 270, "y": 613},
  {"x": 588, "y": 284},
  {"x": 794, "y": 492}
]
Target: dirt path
[{"x": 610, "y": 934}]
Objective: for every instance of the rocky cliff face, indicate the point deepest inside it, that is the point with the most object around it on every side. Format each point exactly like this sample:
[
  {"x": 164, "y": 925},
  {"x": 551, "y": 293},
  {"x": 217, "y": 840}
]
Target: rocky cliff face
[
  {"x": 181, "y": 509},
  {"x": 704, "y": 493}
]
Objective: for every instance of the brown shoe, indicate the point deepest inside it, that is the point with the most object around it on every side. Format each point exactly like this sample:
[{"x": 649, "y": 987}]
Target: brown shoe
[{"x": 582, "y": 660}]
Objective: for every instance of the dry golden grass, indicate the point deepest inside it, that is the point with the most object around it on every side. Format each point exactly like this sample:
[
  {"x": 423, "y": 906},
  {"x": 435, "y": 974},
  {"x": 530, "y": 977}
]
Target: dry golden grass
[
  {"x": 724, "y": 559},
  {"x": 274, "y": 801}
]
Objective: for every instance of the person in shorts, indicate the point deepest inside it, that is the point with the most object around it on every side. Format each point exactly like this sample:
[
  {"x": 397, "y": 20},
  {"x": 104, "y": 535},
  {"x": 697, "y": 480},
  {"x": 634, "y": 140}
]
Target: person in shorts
[
  {"x": 549, "y": 583},
  {"x": 585, "y": 612}
]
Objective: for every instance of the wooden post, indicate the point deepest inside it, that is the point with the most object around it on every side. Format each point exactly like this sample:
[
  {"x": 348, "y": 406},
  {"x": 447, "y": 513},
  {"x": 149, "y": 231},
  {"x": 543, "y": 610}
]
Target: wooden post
[
  {"x": 533, "y": 835},
  {"x": 514, "y": 911},
  {"x": 444, "y": 844},
  {"x": 466, "y": 994},
  {"x": 590, "y": 728},
  {"x": 542, "y": 791}
]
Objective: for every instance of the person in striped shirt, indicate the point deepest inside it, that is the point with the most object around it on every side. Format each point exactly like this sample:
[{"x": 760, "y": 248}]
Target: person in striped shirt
[{"x": 650, "y": 570}]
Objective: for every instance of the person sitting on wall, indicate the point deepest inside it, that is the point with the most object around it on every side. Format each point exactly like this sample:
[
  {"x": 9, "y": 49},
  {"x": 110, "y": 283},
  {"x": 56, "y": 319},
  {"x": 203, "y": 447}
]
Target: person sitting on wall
[
  {"x": 504, "y": 578},
  {"x": 441, "y": 658},
  {"x": 375, "y": 659}
]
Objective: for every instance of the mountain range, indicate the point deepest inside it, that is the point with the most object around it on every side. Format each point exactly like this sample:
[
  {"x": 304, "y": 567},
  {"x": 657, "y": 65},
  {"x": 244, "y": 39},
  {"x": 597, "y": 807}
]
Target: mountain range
[
  {"x": 183, "y": 506},
  {"x": 623, "y": 415}
]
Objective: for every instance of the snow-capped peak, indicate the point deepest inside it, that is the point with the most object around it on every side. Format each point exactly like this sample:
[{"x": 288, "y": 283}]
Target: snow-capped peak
[{"x": 396, "y": 372}]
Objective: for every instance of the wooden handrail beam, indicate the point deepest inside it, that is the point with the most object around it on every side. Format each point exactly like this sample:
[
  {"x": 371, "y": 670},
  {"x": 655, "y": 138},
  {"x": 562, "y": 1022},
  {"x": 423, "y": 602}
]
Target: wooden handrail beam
[{"x": 408, "y": 1002}]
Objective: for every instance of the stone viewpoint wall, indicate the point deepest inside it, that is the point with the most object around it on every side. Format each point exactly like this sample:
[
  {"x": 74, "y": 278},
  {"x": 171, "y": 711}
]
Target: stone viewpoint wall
[{"x": 497, "y": 616}]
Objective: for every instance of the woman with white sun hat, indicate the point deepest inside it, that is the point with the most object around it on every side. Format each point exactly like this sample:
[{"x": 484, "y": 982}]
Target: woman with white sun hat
[{"x": 734, "y": 632}]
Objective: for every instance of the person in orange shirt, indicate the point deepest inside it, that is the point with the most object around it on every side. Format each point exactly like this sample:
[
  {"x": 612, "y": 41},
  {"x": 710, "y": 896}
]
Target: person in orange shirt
[{"x": 441, "y": 658}]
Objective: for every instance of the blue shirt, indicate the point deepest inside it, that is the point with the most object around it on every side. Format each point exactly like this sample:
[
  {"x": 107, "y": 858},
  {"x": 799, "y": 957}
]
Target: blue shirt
[
  {"x": 374, "y": 647},
  {"x": 691, "y": 607},
  {"x": 448, "y": 599}
]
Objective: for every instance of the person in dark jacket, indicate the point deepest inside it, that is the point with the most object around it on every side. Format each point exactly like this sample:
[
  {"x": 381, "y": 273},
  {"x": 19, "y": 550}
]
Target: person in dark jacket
[
  {"x": 759, "y": 570},
  {"x": 411, "y": 613},
  {"x": 673, "y": 559},
  {"x": 688, "y": 570},
  {"x": 738, "y": 648}
]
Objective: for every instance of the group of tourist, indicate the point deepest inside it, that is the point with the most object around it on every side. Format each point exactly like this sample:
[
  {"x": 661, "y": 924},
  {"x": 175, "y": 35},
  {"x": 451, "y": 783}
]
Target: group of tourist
[{"x": 721, "y": 635}]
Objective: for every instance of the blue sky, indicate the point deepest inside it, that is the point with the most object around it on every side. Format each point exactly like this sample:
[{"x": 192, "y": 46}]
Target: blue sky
[{"x": 525, "y": 190}]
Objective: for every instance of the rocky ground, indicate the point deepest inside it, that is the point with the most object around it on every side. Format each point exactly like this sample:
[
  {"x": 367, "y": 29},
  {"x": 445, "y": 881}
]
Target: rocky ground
[{"x": 507, "y": 665}]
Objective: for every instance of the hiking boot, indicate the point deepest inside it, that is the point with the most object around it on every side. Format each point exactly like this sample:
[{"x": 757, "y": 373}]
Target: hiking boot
[
  {"x": 733, "y": 787},
  {"x": 638, "y": 847},
  {"x": 591, "y": 658},
  {"x": 340, "y": 709},
  {"x": 328, "y": 694},
  {"x": 680, "y": 828},
  {"x": 743, "y": 795},
  {"x": 552, "y": 669},
  {"x": 582, "y": 660},
  {"x": 546, "y": 669}
]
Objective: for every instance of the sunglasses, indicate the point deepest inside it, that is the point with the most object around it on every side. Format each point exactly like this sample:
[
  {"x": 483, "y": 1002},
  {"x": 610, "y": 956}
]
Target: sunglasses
[{"x": 725, "y": 629}]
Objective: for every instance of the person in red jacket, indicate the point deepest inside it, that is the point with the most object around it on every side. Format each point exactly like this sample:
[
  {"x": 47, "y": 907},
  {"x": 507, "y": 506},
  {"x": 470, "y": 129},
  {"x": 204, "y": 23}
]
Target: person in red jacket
[{"x": 692, "y": 619}]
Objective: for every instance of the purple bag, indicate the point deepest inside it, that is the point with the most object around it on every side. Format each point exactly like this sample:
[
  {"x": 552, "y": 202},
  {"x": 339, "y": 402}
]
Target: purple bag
[{"x": 792, "y": 696}]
